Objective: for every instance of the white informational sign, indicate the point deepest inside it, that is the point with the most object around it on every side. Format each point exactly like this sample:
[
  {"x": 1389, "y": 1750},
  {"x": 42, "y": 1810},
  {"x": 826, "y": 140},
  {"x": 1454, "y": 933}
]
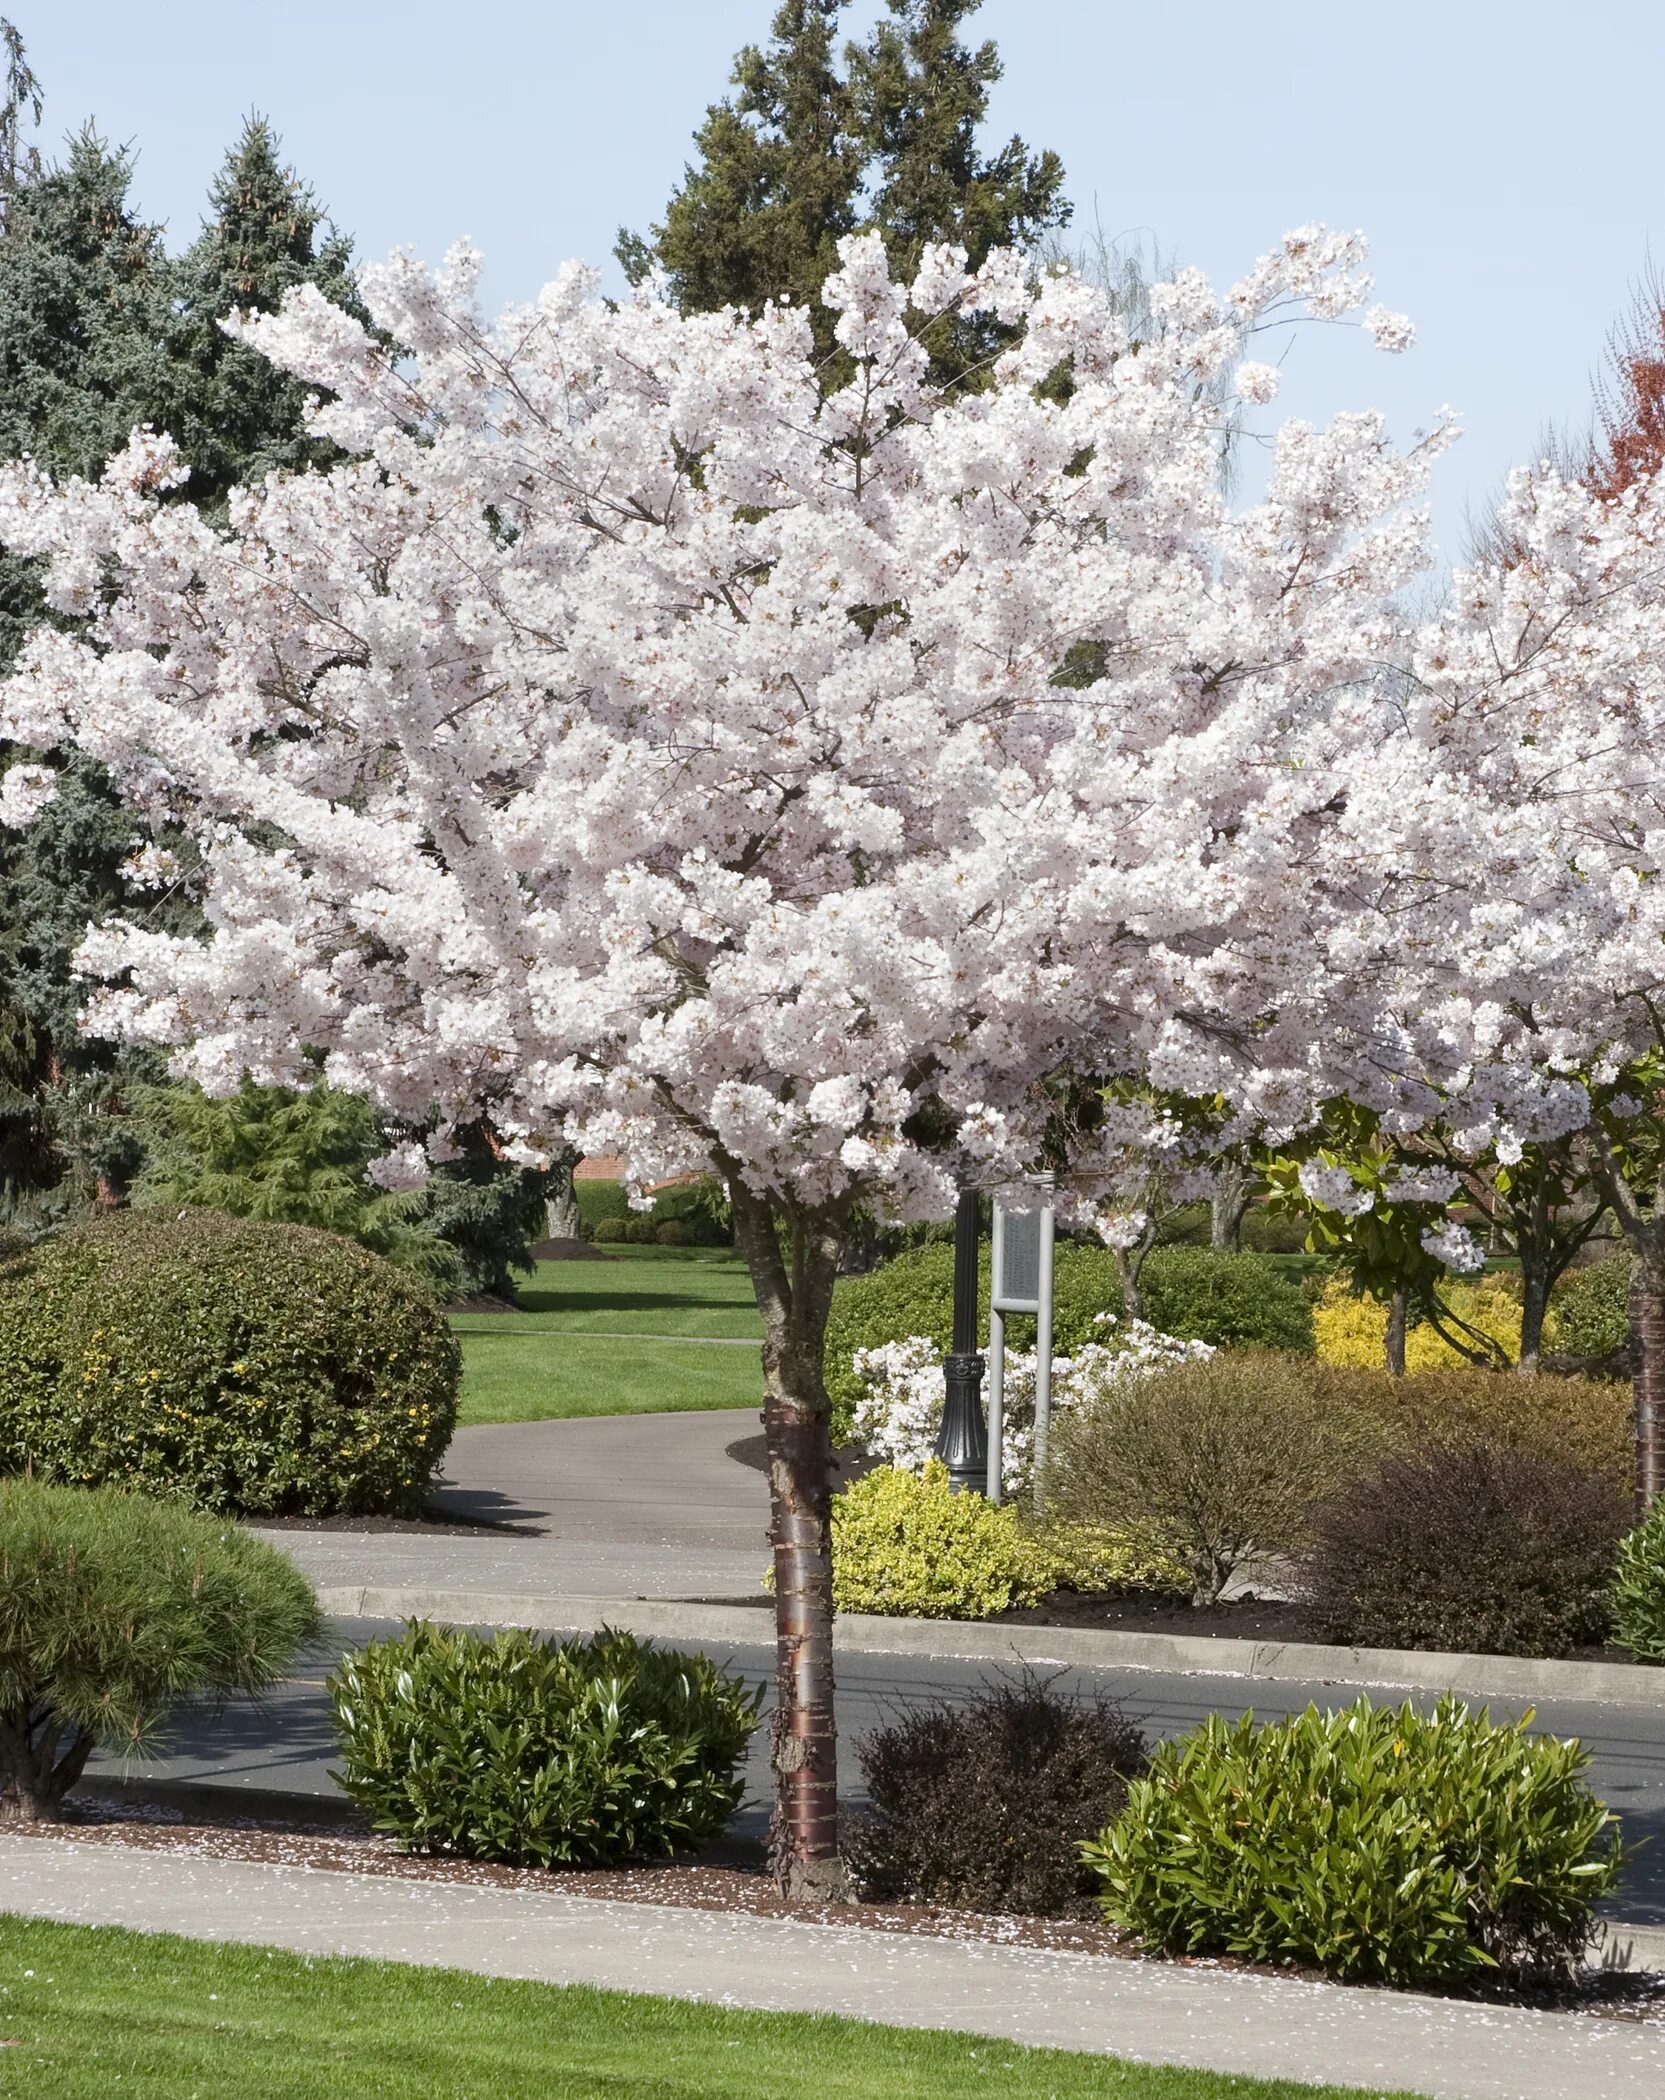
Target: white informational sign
[{"x": 1022, "y": 1283}]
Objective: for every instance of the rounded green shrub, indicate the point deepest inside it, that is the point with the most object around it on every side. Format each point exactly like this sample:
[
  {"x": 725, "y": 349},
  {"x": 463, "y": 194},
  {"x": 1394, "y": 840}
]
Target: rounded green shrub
[
  {"x": 114, "y": 1607},
  {"x": 1228, "y": 1300},
  {"x": 1636, "y": 1597},
  {"x": 578, "y": 1753},
  {"x": 905, "y": 1545},
  {"x": 1381, "y": 1845},
  {"x": 610, "y": 1232},
  {"x": 1590, "y": 1308},
  {"x": 240, "y": 1366}
]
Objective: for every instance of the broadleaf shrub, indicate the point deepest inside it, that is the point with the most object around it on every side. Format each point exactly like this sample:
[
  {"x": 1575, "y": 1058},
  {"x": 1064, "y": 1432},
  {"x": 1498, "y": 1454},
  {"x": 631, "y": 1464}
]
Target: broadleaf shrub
[
  {"x": 1222, "y": 1458},
  {"x": 905, "y": 1545},
  {"x": 1591, "y": 1309},
  {"x": 240, "y": 1366},
  {"x": 1476, "y": 1548},
  {"x": 114, "y": 1607},
  {"x": 555, "y": 1754},
  {"x": 1636, "y": 1598},
  {"x": 1227, "y": 1300},
  {"x": 1381, "y": 1845},
  {"x": 985, "y": 1804}
]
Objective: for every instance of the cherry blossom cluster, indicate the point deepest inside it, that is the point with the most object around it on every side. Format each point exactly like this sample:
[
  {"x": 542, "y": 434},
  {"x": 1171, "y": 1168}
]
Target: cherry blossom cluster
[{"x": 641, "y": 745}]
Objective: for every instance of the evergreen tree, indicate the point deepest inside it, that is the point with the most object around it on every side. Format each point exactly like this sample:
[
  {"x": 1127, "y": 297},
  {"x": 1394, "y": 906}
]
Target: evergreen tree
[
  {"x": 806, "y": 152},
  {"x": 236, "y": 416}
]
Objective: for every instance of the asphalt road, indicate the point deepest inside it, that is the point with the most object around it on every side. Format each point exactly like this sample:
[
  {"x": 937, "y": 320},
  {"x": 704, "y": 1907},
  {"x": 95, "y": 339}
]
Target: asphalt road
[{"x": 284, "y": 1745}]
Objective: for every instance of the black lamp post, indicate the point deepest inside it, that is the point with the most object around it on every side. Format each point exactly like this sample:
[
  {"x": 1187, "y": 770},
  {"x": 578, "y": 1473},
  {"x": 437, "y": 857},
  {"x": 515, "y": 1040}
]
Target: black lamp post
[{"x": 962, "y": 1441}]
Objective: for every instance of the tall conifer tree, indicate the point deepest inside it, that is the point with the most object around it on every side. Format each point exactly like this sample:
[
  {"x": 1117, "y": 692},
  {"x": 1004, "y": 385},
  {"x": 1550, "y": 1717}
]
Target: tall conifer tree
[{"x": 807, "y": 151}]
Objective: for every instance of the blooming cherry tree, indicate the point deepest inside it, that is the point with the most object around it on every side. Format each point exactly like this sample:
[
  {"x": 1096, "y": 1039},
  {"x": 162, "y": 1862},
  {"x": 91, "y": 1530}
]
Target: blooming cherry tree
[{"x": 646, "y": 748}]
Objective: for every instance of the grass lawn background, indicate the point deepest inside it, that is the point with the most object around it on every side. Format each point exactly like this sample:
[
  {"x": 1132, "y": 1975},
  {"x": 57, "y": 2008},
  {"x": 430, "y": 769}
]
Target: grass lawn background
[
  {"x": 88, "y": 2013},
  {"x": 556, "y": 1355}
]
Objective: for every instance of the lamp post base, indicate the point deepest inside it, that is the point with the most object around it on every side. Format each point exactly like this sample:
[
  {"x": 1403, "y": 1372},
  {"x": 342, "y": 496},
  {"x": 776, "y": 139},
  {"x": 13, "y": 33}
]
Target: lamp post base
[{"x": 963, "y": 1445}]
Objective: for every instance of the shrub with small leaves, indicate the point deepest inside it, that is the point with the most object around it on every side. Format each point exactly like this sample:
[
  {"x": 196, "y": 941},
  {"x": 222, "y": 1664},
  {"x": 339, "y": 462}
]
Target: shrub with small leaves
[
  {"x": 554, "y": 1754},
  {"x": 241, "y": 1366},
  {"x": 1481, "y": 1549},
  {"x": 985, "y": 1804},
  {"x": 1590, "y": 1308},
  {"x": 1637, "y": 1595},
  {"x": 904, "y": 1544},
  {"x": 1381, "y": 1845},
  {"x": 112, "y": 1609}
]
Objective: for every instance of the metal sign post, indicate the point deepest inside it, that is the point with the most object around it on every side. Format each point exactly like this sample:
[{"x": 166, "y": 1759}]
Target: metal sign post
[{"x": 1021, "y": 1283}]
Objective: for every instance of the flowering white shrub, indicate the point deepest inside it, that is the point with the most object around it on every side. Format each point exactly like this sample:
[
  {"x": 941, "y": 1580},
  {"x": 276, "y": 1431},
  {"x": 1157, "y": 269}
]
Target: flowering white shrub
[{"x": 900, "y": 1410}]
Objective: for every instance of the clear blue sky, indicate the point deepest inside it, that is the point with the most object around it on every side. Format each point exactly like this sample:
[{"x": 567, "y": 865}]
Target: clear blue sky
[{"x": 1504, "y": 158}]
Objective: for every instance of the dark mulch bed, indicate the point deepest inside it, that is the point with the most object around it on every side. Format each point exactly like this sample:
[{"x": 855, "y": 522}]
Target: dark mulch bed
[
  {"x": 1245, "y": 1618},
  {"x": 742, "y": 1886}
]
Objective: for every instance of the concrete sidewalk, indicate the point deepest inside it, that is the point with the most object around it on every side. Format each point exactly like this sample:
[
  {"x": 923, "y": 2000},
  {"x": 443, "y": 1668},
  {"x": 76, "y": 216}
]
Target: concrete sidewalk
[{"x": 1149, "y": 2012}]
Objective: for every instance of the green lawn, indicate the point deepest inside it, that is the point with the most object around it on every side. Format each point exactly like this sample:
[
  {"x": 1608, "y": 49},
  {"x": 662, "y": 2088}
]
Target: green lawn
[
  {"x": 89, "y": 2013},
  {"x": 555, "y": 1356}
]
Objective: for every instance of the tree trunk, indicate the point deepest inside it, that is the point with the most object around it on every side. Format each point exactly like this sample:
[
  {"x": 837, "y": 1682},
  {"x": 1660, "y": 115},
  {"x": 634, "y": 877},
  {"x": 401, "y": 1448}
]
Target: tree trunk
[
  {"x": 794, "y": 1295},
  {"x": 1133, "y": 1303},
  {"x": 1647, "y": 1355},
  {"x": 1227, "y": 1206},
  {"x": 1534, "y": 1304},
  {"x": 34, "y": 1778},
  {"x": 560, "y": 1205},
  {"x": 1399, "y": 1307}
]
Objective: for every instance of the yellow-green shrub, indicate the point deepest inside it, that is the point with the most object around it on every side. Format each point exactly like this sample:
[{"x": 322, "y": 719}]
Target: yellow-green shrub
[
  {"x": 1352, "y": 1330},
  {"x": 905, "y": 1545},
  {"x": 1093, "y": 1557}
]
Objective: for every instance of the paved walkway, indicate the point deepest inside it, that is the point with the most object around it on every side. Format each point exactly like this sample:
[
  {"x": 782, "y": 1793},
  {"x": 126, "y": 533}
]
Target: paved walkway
[
  {"x": 603, "y": 1506},
  {"x": 1152, "y": 2013}
]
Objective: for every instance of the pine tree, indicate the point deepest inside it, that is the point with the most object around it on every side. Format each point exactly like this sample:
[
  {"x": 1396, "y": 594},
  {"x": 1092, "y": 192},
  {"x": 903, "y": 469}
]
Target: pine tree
[
  {"x": 235, "y": 416},
  {"x": 806, "y": 152}
]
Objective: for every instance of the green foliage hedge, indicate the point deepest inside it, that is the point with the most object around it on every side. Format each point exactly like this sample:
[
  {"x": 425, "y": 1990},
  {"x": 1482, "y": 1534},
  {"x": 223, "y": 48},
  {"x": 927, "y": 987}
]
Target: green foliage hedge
[
  {"x": 1592, "y": 1308},
  {"x": 905, "y": 1545},
  {"x": 1230, "y": 1300},
  {"x": 112, "y": 1608},
  {"x": 574, "y": 1754},
  {"x": 688, "y": 1214},
  {"x": 240, "y": 1366},
  {"x": 1380, "y": 1845}
]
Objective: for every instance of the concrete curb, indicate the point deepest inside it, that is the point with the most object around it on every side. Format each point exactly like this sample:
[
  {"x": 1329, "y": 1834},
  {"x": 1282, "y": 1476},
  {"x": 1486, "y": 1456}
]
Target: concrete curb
[{"x": 1511, "y": 1677}]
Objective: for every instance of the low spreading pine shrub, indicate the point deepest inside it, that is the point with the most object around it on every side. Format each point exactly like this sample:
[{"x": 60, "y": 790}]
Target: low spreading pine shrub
[
  {"x": 1379, "y": 1845},
  {"x": 112, "y": 1609},
  {"x": 985, "y": 1805},
  {"x": 240, "y": 1366},
  {"x": 1477, "y": 1548},
  {"x": 1222, "y": 1458},
  {"x": 1636, "y": 1598},
  {"x": 905, "y": 1545},
  {"x": 574, "y": 1754}
]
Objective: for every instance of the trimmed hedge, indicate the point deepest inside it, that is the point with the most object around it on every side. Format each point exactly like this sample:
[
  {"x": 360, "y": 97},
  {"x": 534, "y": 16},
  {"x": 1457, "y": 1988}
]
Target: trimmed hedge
[
  {"x": 113, "y": 1608},
  {"x": 572, "y": 1754},
  {"x": 1382, "y": 1845},
  {"x": 1230, "y": 1300},
  {"x": 240, "y": 1366}
]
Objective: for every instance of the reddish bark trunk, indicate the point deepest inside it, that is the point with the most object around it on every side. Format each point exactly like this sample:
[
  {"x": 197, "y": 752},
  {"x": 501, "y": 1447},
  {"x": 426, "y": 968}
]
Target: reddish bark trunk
[
  {"x": 1647, "y": 1355},
  {"x": 794, "y": 1295}
]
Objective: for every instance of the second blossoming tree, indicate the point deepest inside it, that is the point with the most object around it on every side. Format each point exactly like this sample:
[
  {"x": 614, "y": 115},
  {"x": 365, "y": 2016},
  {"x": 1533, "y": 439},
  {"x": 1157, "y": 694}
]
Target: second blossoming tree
[{"x": 644, "y": 746}]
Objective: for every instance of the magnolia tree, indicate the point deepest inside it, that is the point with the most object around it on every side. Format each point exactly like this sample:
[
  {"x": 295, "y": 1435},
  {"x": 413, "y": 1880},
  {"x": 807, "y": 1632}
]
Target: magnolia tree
[{"x": 647, "y": 748}]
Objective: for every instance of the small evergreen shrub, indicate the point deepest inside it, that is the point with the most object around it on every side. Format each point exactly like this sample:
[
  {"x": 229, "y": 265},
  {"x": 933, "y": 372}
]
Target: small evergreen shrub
[
  {"x": 1381, "y": 1845},
  {"x": 674, "y": 1232},
  {"x": 1222, "y": 1457},
  {"x": 905, "y": 1545},
  {"x": 1093, "y": 1558},
  {"x": 1234, "y": 1301},
  {"x": 1475, "y": 1548},
  {"x": 1636, "y": 1598},
  {"x": 600, "y": 1201},
  {"x": 113, "y": 1608},
  {"x": 986, "y": 1805},
  {"x": 610, "y": 1232},
  {"x": 1591, "y": 1309},
  {"x": 573, "y": 1754},
  {"x": 239, "y": 1366}
]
